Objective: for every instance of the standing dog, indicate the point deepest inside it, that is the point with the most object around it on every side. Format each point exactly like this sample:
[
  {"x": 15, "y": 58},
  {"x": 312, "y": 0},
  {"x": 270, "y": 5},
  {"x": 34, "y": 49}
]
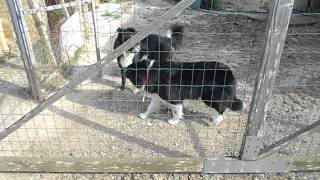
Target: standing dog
[
  {"x": 123, "y": 35},
  {"x": 174, "y": 82},
  {"x": 153, "y": 46}
]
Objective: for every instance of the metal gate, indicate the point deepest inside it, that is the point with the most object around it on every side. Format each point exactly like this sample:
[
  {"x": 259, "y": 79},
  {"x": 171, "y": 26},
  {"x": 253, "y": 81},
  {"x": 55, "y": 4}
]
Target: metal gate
[{"x": 258, "y": 143}]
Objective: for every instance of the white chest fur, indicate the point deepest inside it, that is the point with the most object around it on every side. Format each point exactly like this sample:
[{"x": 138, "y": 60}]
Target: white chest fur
[{"x": 128, "y": 58}]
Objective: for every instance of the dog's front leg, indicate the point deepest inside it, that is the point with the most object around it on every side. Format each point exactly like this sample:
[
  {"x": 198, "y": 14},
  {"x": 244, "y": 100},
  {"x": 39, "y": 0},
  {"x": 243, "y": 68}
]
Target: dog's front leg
[
  {"x": 177, "y": 112},
  {"x": 152, "y": 108},
  {"x": 121, "y": 64}
]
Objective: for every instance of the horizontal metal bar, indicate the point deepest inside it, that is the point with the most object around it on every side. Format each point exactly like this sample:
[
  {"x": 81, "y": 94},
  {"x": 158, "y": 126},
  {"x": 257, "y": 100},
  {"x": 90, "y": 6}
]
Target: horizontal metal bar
[
  {"x": 306, "y": 164},
  {"x": 301, "y": 134},
  {"x": 53, "y": 7},
  {"x": 153, "y": 165},
  {"x": 239, "y": 166}
]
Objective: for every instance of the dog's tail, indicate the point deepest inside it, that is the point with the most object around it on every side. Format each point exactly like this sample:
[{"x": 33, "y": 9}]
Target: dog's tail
[
  {"x": 175, "y": 33},
  {"x": 237, "y": 105}
]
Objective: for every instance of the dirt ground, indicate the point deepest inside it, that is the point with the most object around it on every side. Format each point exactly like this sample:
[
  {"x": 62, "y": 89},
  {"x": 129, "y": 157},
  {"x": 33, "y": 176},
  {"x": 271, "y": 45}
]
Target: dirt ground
[
  {"x": 167, "y": 176},
  {"x": 97, "y": 120}
]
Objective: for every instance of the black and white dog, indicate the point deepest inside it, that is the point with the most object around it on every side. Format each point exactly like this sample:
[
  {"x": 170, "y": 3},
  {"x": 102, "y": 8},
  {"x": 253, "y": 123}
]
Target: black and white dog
[
  {"x": 153, "y": 46},
  {"x": 174, "y": 82}
]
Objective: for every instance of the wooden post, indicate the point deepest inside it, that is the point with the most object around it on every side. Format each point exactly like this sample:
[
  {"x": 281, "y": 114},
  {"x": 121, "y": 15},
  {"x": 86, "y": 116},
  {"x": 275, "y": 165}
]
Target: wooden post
[
  {"x": 96, "y": 37},
  {"x": 25, "y": 48},
  {"x": 177, "y": 9},
  {"x": 278, "y": 22}
]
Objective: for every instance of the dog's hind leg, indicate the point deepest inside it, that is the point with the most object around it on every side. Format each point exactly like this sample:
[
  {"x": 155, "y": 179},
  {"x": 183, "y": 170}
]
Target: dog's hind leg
[
  {"x": 152, "y": 108},
  {"x": 217, "y": 99},
  {"x": 219, "y": 107},
  {"x": 177, "y": 111}
]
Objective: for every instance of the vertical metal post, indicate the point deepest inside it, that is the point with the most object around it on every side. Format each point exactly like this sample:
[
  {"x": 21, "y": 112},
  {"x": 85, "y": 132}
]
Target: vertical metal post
[
  {"x": 277, "y": 26},
  {"x": 22, "y": 34},
  {"x": 96, "y": 37}
]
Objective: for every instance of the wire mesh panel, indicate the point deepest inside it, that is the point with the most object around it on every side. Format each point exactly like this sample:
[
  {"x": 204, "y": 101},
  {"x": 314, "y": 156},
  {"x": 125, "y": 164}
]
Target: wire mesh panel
[
  {"x": 97, "y": 119},
  {"x": 295, "y": 101}
]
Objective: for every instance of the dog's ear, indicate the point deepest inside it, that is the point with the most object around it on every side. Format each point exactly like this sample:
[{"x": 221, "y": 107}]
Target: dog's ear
[
  {"x": 119, "y": 29},
  {"x": 131, "y": 29}
]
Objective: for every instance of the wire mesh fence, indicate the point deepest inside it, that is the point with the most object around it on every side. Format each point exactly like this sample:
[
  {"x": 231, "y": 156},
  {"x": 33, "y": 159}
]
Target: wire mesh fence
[
  {"x": 98, "y": 120},
  {"x": 295, "y": 101}
]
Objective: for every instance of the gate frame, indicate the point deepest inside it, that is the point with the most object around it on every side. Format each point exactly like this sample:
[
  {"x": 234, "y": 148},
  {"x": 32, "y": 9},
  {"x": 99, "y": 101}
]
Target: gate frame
[
  {"x": 277, "y": 26},
  {"x": 24, "y": 41},
  {"x": 250, "y": 162}
]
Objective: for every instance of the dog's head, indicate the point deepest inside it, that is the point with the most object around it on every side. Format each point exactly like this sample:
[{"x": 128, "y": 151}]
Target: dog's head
[
  {"x": 124, "y": 34},
  {"x": 138, "y": 72}
]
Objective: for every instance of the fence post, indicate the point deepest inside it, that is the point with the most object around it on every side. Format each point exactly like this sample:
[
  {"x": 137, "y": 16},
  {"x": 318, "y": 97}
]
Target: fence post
[
  {"x": 277, "y": 26},
  {"x": 96, "y": 38},
  {"x": 25, "y": 47}
]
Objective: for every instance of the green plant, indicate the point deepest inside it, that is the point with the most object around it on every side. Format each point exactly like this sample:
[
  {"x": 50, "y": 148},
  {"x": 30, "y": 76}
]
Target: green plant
[
  {"x": 212, "y": 4},
  {"x": 76, "y": 56},
  {"x": 217, "y": 4},
  {"x": 112, "y": 15},
  {"x": 188, "y": 11}
]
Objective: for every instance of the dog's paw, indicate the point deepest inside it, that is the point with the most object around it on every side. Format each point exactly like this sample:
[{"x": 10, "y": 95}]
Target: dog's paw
[
  {"x": 143, "y": 115},
  {"x": 136, "y": 91},
  {"x": 244, "y": 105},
  {"x": 217, "y": 119},
  {"x": 120, "y": 88},
  {"x": 174, "y": 121}
]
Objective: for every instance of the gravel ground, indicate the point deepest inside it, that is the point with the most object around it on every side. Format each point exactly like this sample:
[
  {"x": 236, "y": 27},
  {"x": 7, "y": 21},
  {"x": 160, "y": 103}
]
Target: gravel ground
[{"x": 168, "y": 176}]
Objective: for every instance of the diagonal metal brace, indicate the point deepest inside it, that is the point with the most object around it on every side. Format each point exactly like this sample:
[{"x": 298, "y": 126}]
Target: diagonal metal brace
[{"x": 301, "y": 134}]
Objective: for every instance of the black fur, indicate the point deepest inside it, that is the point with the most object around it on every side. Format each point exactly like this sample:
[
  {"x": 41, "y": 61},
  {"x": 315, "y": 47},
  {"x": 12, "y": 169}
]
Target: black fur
[
  {"x": 213, "y": 82},
  {"x": 123, "y": 35},
  {"x": 154, "y": 46},
  {"x": 159, "y": 48}
]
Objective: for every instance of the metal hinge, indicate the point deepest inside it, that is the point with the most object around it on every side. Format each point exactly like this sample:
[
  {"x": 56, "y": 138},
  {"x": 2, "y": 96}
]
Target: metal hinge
[{"x": 252, "y": 148}]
